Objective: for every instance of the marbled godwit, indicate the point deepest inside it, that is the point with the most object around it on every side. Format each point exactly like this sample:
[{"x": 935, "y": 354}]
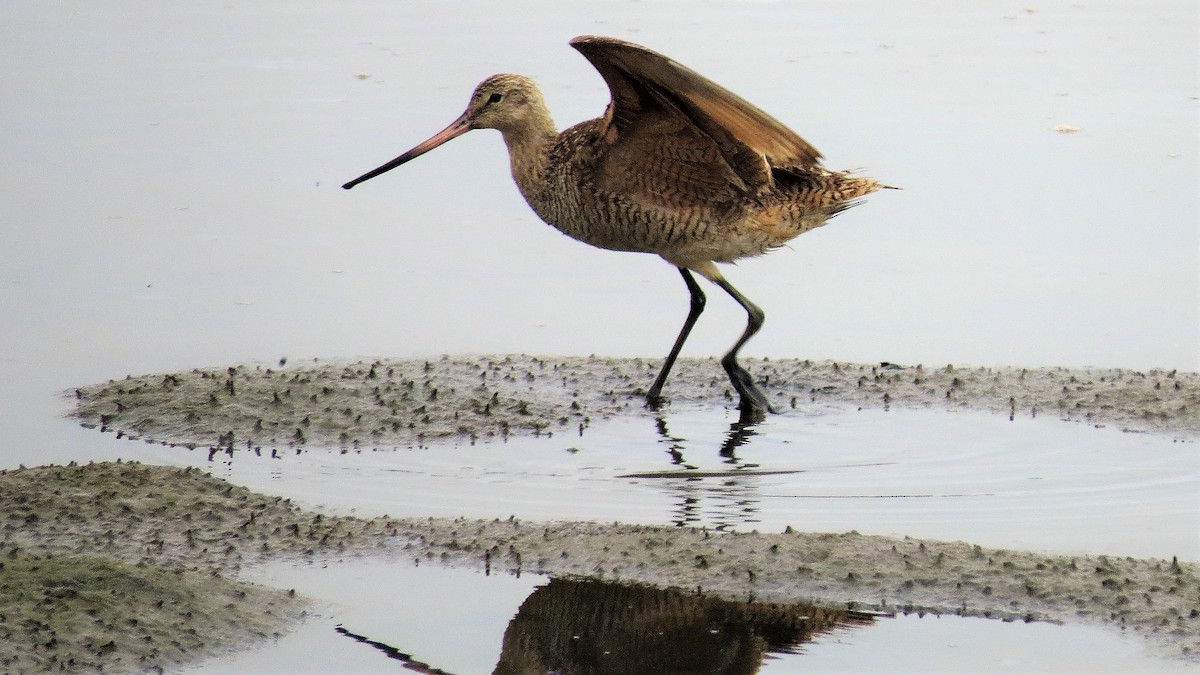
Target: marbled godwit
[{"x": 677, "y": 166}]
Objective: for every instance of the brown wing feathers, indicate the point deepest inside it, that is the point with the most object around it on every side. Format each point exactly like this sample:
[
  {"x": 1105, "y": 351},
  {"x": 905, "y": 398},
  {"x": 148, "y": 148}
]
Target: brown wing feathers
[{"x": 749, "y": 140}]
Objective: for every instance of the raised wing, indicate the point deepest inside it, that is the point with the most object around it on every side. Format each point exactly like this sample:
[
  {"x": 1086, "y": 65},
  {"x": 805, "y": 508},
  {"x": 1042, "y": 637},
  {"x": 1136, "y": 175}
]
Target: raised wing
[{"x": 723, "y": 141}]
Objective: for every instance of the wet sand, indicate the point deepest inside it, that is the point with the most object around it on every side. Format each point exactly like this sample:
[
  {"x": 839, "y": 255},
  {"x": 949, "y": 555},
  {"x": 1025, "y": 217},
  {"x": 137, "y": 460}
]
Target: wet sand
[{"x": 179, "y": 536}]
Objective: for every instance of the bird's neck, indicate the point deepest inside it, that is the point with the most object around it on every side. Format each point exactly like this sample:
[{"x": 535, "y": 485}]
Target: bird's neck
[{"x": 529, "y": 147}]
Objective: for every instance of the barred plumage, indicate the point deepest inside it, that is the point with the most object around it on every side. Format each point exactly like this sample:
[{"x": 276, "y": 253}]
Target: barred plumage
[{"x": 677, "y": 166}]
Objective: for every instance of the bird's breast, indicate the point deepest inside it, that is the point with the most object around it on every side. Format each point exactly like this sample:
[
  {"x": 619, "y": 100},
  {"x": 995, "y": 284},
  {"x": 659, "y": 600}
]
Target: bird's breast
[{"x": 615, "y": 221}]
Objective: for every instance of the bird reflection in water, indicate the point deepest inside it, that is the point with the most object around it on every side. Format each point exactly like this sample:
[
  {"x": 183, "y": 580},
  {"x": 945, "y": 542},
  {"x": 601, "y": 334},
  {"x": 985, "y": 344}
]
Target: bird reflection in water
[
  {"x": 572, "y": 626},
  {"x": 579, "y": 626}
]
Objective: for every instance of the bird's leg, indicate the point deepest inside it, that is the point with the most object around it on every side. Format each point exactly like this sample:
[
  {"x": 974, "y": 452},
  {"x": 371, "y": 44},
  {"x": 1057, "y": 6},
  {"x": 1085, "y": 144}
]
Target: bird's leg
[
  {"x": 753, "y": 403},
  {"x": 654, "y": 396}
]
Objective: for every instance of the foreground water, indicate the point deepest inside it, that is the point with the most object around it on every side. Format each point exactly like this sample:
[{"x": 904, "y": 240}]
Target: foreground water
[
  {"x": 465, "y": 622},
  {"x": 1036, "y": 484},
  {"x": 1027, "y": 484}
]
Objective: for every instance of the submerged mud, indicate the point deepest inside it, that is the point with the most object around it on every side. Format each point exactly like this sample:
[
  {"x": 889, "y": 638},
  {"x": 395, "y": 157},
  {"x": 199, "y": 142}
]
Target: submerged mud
[
  {"x": 133, "y": 567},
  {"x": 399, "y": 403}
]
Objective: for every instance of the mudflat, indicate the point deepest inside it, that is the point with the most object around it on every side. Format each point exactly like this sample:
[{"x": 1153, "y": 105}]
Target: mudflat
[{"x": 131, "y": 566}]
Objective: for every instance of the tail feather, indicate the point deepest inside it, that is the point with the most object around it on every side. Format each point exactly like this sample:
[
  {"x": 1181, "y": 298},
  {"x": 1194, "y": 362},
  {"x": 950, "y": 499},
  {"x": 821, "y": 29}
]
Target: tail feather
[{"x": 850, "y": 187}]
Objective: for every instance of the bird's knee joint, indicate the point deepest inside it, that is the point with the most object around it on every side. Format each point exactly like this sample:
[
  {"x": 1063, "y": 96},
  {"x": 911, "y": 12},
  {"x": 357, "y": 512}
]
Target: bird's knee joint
[
  {"x": 729, "y": 363},
  {"x": 756, "y": 320}
]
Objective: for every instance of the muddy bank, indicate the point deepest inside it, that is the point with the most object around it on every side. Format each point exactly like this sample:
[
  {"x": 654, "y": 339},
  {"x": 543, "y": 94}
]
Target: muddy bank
[
  {"x": 88, "y": 613},
  {"x": 400, "y": 403},
  {"x": 1157, "y": 599},
  {"x": 171, "y": 541},
  {"x": 130, "y": 568}
]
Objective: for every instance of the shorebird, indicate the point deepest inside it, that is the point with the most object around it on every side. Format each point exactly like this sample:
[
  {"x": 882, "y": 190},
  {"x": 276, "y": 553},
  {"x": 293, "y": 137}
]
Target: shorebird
[{"x": 677, "y": 166}]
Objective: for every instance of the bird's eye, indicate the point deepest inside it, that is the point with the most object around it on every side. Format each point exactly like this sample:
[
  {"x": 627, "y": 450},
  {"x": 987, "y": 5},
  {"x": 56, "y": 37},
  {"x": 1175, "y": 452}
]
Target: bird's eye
[{"x": 495, "y": 98}]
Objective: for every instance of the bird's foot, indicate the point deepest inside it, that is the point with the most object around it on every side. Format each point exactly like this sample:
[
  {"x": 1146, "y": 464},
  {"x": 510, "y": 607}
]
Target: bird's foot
[
  {"x": 654, "y": 398},
  {"x": 754, "y": 406},
  {"x": 751, "y": 414},
  {"x": 753, "y": 402}
]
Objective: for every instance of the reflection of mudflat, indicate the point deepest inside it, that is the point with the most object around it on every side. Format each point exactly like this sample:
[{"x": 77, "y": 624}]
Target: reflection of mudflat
[{"x": 572, "y": 626}]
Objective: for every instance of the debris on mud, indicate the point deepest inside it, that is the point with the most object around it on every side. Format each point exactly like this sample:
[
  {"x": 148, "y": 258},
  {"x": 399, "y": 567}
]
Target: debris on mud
[{"x": 403, "y": 403}]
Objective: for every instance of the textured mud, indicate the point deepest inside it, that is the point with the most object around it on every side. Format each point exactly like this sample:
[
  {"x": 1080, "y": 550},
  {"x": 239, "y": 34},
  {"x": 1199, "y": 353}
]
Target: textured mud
[
  {"x": 84, "y": 612},
  {"x": 125, "y": 568},
  {"x": 391, "y": 403},
  {"x": 133, "y": 567}
]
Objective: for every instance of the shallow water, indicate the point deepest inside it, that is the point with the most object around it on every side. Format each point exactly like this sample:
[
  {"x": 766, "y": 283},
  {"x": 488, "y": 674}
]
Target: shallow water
[
  {"x": 1039, "y": 484},
  {"x": 465, "y": 622},
  {"x": 1028, "y": 484}
]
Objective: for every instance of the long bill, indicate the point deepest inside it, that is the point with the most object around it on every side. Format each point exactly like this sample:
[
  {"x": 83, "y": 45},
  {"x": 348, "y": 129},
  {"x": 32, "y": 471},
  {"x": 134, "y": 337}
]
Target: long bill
[{"x": 457, "y": 128}]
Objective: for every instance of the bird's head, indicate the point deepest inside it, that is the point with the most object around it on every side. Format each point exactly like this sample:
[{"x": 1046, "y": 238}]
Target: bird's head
[{"x": 506, "y": 102}]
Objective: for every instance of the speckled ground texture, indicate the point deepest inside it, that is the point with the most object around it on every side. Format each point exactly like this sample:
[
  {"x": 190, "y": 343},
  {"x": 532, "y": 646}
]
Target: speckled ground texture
[
  {"x": 134, "y": 567},
  {"x": 392, "y": 403}
]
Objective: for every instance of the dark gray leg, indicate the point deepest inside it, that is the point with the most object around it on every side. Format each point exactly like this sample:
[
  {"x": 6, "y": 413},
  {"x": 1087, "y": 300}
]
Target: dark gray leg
[
  {"x": 654, "y": 396},
  {"x": 753, "y": 403}
]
